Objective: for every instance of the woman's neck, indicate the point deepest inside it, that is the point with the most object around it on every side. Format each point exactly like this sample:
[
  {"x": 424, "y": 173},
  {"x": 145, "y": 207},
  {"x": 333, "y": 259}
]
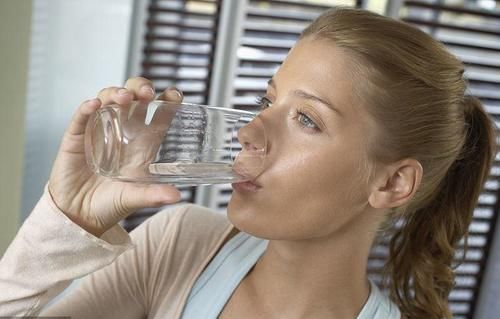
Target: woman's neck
[{"x": 315, "y": 278}]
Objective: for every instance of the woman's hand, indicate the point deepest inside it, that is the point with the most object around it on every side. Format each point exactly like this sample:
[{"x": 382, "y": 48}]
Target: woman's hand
[{"x": 94, "y": 202}]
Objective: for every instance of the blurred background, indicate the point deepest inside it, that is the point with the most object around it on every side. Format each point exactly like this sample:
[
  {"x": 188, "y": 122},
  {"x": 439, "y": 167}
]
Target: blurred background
[{"x": 56, "y": 53}]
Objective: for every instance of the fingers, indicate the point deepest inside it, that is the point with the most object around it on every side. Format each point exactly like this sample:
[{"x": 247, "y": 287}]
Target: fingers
[
  {"x": 142, "y": 196},
  {"x": 136, "y": 88},
  {"x": 171, "y": 94},
  {"x": 115, "y": 95},
  {"x": 82, "y": 114},
  {"x": 141, "y": 88}
]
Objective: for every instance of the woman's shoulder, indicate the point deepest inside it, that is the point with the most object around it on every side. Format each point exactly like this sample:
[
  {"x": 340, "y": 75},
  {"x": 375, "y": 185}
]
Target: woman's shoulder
[
  {"x": 187, "y": 221},
  {"x": 192, "y": 217},
  {"x": 187, "y": 227},
  {"x": 184, "y": 232}
]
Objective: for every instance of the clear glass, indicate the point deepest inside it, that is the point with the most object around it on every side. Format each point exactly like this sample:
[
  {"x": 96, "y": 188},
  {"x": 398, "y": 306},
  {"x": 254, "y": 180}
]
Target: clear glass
[{"x": 175, "y": 143}]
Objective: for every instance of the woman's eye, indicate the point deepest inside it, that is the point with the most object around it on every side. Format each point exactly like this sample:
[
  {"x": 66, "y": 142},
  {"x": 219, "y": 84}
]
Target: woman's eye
[
  {"x": 306, "y": 121},
  {"x": 263, "y": 102},
  {"x": 301, "y": 117}
]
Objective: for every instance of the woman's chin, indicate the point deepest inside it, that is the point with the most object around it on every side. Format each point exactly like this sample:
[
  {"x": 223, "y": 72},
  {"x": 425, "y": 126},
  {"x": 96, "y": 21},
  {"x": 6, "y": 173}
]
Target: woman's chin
[
  {"x": 255, "y": 221},
  {"x": 246, "y": 219}
]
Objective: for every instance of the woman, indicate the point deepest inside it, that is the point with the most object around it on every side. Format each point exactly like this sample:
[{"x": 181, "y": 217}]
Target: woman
[{"x": 368, "y": 123}]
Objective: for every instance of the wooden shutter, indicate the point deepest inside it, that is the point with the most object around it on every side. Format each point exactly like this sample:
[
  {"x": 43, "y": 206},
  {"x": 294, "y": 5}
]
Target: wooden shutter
[
  {"x": 179, "y": 44},
  {"x": 471, "y": 30}
]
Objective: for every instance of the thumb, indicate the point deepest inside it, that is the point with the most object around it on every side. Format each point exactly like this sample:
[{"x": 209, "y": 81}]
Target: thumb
[{"x": 81, "y": 116}]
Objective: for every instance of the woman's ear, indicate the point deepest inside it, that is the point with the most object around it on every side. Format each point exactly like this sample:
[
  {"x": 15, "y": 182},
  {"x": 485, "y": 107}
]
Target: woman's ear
[{"x": 396, "y": 184}]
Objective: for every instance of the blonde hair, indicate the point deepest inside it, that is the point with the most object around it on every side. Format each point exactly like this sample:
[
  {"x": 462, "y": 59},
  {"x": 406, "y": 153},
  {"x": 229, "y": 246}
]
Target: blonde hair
[{"x": 414, "y": 89}]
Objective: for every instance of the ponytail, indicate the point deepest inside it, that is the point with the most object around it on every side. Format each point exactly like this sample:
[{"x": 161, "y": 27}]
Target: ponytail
[{"x": 422, "y": 248}]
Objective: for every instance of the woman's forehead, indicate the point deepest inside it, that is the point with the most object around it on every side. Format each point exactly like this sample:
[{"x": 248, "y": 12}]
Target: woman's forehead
[{"x": 318, "y": 66}]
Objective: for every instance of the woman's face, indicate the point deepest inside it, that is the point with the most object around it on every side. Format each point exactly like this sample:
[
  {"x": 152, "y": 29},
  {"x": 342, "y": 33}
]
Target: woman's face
[{"x": 317, "y": 139}]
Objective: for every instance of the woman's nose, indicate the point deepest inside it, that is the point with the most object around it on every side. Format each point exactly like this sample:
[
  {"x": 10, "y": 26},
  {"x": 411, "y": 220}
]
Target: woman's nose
[{"x": 252, "y": 136}]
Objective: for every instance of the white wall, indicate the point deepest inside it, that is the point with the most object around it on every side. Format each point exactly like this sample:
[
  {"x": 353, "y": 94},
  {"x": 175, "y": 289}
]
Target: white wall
[
  {"x": 78, "y": 47},
  {"x": 15, "y": 17}
]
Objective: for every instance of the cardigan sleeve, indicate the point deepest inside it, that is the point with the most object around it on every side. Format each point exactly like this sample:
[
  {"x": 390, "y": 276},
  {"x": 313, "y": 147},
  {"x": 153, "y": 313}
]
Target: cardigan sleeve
[
  {"x": 121, "y": 289},
  {"x": 47, "y": 254}
]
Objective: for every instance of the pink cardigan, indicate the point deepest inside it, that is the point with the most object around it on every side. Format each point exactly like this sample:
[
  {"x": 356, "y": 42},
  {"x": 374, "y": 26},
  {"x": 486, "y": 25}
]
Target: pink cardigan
[{"x": 147, "y": 274}]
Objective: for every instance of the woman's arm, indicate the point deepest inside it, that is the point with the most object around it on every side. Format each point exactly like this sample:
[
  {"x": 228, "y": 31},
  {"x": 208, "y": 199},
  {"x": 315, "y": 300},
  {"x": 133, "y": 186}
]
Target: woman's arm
[
  {"x": 48, "y": 252},
  {"x": 73, "y": 230},
  {"x": 121, "y": 289}
]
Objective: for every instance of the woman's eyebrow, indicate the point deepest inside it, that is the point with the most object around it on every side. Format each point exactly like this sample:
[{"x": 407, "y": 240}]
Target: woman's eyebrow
[
  {"x": 315, "y": 98},
  {"x": 309, "y": 96}
]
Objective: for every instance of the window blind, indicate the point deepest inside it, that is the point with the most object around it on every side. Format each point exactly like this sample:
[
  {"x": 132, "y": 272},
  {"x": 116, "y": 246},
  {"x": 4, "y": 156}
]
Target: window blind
[
  {"x": 471, "y": 30},
  {"x": 179, "y": 44}
]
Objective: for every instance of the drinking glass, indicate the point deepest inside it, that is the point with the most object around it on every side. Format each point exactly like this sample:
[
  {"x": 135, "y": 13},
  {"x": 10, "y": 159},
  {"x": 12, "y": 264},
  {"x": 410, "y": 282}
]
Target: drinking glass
[{"x": 175, "y": 143}]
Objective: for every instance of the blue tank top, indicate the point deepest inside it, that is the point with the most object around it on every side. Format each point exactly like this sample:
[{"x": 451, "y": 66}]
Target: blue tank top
[{"x": 217, "y": 282}]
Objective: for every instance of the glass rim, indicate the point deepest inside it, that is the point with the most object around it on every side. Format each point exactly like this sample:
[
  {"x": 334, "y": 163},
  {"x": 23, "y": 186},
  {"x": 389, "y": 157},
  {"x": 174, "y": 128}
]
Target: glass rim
[{"x": 210, "y": 107}]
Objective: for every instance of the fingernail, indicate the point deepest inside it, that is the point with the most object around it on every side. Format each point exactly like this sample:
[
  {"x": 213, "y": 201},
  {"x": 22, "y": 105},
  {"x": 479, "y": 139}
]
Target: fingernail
[
  {"x": 176, "y": 92},
  {"x": 177, "y": 196},
  {"x": 93, "y": 101},
  {"x": 176, "y": 192},
  {"x": 146, "y": 89},
  {"x": 173, "y": 197},
  {"x": 91, "y": 105},
  {"x": 122, "y": 91}
]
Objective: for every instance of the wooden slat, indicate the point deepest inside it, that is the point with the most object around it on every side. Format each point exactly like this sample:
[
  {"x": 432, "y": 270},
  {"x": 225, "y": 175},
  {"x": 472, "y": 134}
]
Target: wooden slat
[
  {"x": 454, "y": 43},
  {"x": 155, "y": 9},
  {"x": 451, "y": 26},
  {"x": 281, "y": 15},
  {"x": 147, "y": 64},
  {"x": 486, "y": 82},
  {"x": 181, "y": 39},
  {"x": 271, "y": 28},
  {"x": 179, "y": 25},
  {"x": 296, "y": 4},
  {"x": 174, "y": 78},
  {"x": 469, "y": 10},
  {"x": 174, "y": 52},
  {"x": 266, "y": 43}
]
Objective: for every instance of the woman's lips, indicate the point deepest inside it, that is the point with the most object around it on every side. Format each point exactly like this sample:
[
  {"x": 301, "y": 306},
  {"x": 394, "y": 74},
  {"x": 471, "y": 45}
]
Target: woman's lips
[{"x": 250, "y": 185}]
